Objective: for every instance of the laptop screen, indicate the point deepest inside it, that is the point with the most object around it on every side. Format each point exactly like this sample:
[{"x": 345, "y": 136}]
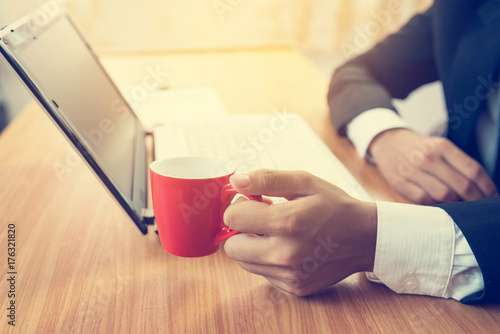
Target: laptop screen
[
  {"x": 62, "y": 65},
  {"x": 70, "y": 77}
]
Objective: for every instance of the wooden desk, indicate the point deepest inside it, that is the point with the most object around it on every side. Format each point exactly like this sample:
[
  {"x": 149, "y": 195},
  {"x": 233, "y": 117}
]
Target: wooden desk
[{"x": 82, "y": 267}]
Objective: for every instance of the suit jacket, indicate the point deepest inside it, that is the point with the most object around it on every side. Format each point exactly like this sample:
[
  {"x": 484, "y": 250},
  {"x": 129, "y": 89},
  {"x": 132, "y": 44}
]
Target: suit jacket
[{"x": 457, "y": 42}]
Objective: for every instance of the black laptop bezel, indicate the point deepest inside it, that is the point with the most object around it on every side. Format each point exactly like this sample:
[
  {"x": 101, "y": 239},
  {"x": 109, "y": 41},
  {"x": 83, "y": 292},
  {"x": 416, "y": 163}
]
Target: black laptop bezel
[{"x": 30, "y": 31}]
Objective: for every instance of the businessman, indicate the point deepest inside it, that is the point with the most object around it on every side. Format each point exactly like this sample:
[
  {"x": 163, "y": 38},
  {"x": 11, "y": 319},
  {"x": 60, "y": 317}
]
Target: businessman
[{"x": 450, "y": 250}]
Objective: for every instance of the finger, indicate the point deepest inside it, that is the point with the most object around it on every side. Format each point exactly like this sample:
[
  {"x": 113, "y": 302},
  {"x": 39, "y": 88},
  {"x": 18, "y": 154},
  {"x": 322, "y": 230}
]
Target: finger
[
  {"x": 463, "y": 187},
  {"x": 242, "y": 198},
  {"x": 249, "y": 217},
  {"x": 471, "y": 170},
  {"x": 249, "y": 248},
  {"x": 414, "y": 193},
  {"x": 261, "y": 218},
  {"x": 269, "y": 271},
  {"x": 435, "y": 188},
  {"x": 267, "y": 200},
  {"x": 288, "y": 184}
]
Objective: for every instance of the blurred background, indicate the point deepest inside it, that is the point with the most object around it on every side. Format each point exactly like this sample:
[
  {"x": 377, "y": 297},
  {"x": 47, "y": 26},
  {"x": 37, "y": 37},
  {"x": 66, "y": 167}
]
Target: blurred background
[{"x": 327, "y": 31}]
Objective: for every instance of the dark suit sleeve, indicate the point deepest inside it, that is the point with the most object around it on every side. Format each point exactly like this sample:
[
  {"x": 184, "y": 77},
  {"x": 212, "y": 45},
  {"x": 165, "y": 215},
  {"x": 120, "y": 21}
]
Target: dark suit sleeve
[
  {"x": 392, "y": 69},
  {"x": 479, "y": 222}
]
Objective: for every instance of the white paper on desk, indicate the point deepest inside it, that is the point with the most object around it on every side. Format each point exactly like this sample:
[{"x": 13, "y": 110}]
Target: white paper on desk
[{"x": 164, "y": 105}]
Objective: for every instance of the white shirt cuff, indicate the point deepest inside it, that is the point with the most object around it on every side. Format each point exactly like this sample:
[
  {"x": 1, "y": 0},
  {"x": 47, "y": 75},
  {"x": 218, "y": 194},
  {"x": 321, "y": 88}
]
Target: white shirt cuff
[
  {"x": 420, "y": 250},
  {"x": 367, "y": 125}
]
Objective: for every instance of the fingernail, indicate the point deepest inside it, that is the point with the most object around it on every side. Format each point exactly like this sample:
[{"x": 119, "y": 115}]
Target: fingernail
[{"x": 240, "y": 181}]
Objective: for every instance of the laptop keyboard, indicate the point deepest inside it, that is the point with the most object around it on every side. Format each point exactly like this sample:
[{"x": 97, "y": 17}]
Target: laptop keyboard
[
  {"x": 236, "y": 139},
  {"x": 251, "y": 142}
]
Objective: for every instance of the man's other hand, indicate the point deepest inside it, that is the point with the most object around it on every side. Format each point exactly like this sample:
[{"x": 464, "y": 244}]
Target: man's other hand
[{"x": 429, "y": 170}]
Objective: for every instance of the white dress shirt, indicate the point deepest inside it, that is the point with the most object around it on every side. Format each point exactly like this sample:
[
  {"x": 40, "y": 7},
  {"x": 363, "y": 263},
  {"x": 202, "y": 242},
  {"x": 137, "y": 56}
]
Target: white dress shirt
[{"x": 420, "y": 250}]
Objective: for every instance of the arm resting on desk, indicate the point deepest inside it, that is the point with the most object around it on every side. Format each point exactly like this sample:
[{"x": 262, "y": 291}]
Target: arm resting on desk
[
  {"x": 392, "y": 69},
  {"x": 421, "y": 251}
]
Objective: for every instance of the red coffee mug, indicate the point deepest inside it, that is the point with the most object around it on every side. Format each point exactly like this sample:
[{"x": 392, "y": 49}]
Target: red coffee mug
[{"x": 190, "y": 195}]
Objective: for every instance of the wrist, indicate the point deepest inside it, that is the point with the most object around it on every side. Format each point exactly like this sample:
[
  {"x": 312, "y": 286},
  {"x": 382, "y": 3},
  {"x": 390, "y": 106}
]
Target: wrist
[
  {"x": 367, "y": 241},
  {"x": 377, "y": 143},
  {"x": 367, "y": 125}
]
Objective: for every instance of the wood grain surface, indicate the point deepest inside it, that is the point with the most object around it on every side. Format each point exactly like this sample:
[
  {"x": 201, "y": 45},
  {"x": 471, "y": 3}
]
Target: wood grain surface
[{"x": 83, "y": 268}]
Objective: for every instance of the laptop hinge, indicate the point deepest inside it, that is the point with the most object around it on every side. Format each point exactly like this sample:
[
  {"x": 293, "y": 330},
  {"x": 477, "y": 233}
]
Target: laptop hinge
[{"x": 149, "y": 216}]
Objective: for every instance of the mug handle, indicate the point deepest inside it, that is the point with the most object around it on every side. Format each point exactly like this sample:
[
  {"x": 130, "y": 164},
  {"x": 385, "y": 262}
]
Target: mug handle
[{"x": 228, "y": 193}]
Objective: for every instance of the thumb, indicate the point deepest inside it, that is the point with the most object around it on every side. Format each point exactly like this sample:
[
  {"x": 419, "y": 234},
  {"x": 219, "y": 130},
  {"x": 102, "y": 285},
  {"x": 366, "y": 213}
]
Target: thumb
[{"x": 289, "y": 184}]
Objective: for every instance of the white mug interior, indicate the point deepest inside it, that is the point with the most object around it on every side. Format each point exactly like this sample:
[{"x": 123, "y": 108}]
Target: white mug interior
[{"x": 192, "y": 167}]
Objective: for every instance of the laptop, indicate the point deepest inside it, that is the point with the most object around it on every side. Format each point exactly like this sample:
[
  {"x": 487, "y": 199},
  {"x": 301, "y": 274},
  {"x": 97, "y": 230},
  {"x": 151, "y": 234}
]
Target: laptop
[{"x": 63, "y": 74}]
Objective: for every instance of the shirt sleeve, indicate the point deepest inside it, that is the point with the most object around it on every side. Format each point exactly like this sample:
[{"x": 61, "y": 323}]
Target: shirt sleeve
[
  {"x": 367, "y": 125},
  {"x": 420, "y": 250}
]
